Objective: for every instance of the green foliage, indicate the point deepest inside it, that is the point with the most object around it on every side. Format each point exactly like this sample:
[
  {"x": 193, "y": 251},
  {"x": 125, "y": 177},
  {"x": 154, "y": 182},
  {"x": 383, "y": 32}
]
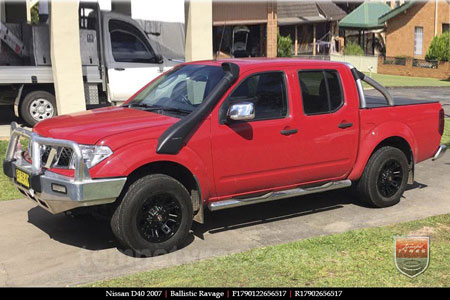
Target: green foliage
[
  {"x": 7, "y": 190},
  {"x": 439, "y": 48},
  {"x": 353, "y": 49},
  {"x": 361, "y": 258},
  {"x": 284, "y": 48},
  {"x": 35, "y": 15}
]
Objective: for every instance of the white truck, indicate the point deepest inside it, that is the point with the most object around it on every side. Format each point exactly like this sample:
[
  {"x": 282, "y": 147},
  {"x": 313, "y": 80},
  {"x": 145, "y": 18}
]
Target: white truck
[{"x": 117, "y": 57}]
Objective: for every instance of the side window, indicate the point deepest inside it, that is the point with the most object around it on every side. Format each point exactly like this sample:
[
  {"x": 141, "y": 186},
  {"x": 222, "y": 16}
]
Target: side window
[
  {"x": 128, "y": 44},
  {"x": 321, "y": 91},
  {"x": 268, "y": 93},
  {"x": 335, "y": 89}
]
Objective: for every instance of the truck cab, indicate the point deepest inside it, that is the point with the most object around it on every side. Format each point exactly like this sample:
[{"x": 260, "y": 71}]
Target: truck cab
[{"x": 117, "y": 57}]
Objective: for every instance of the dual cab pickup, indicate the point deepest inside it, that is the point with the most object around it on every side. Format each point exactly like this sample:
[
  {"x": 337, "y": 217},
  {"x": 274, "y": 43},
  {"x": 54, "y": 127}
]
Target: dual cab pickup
[{"x": 222, "y": 134}]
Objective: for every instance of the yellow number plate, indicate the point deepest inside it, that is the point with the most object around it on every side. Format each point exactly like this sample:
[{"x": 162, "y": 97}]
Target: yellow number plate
[{"x": 22, "y": 178}]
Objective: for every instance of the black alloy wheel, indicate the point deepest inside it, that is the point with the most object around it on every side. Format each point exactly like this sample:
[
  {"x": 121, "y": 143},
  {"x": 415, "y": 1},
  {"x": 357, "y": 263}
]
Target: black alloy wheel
[
  {"x": 390, "y": 178},
  {"x": 159, "y": 218}
]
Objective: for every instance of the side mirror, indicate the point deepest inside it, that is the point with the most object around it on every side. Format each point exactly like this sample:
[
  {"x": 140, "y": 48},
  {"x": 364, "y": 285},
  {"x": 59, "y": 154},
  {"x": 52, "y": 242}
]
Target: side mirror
[
  {"x": 159, "y": 59},
  {"x": 241, "y": 111}
]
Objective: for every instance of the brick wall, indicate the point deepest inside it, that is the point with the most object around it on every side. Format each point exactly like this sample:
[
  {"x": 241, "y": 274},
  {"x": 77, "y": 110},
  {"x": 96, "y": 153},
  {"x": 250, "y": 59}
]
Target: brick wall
[
  {"x": 400, "y": 29},
  {"x": 441, "y": 72},
  {"x": 272, "y": 29}
]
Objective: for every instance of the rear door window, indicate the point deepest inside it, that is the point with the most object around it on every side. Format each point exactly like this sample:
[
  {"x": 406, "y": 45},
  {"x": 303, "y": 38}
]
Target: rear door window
[{"x": 321, "y": 91}]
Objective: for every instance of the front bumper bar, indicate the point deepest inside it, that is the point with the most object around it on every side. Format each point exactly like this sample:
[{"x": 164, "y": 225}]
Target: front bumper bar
[
  {"x": 54, "y": 192},
  {"x": 440, "y": 152}
]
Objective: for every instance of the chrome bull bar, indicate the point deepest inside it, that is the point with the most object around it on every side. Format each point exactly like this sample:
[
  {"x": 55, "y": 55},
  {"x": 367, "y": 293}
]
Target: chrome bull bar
[
  {"x": 54, "y": 192},
  {"x": 81, "y": 170}
]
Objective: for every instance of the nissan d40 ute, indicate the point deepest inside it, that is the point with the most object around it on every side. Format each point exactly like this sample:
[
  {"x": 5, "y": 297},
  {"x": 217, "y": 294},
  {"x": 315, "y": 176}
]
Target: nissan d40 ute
[{"x": 222, "y": 134}]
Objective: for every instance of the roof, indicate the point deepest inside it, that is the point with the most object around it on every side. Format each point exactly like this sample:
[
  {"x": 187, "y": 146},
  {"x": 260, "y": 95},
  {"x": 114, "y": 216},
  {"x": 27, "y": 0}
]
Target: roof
[
  {"x": 399, "y": 9},
  {"x": 246, "y": 64},
  {"x": 331, "y": 11},
  {"x": 297, "y": 12},
  {"x": 365, "y": 16}
]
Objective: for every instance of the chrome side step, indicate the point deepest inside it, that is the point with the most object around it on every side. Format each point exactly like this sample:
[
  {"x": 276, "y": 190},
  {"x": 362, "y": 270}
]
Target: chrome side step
[{"x": 271, "y": 196}]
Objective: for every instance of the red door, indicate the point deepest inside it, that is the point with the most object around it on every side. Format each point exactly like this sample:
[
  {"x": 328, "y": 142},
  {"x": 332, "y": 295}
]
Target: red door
[
  {"x": 262, "y": 153},
  {"x": 329, "y": 125}
]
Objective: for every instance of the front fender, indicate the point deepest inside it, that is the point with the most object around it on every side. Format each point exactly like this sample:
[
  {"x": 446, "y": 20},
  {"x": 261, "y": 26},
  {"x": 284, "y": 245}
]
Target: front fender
[
  {"x": 141, "y": 153},
  {"x": 372, "y": 136}
]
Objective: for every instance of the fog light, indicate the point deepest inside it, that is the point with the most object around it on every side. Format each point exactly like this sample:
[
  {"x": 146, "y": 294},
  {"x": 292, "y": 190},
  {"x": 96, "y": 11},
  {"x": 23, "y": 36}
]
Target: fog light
[{"x": 59, "y": 188}]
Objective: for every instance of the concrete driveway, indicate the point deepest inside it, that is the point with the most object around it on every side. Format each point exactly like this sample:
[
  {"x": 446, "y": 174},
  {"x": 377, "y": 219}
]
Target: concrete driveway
[{"x": 38, "y": 249}]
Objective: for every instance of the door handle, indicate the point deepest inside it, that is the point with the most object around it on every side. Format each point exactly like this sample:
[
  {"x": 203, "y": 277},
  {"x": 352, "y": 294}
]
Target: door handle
[
  {"x": 119, "y": 69},
  {"x": 288, "y": 131},
  {"x": 345, "y": 125}
]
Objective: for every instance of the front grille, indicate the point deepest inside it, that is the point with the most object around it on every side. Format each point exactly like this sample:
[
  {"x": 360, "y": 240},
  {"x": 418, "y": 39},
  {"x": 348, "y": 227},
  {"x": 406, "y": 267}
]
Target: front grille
[
  {"x": 62, "y": 158},
  {"x": 65, "y": 157}
]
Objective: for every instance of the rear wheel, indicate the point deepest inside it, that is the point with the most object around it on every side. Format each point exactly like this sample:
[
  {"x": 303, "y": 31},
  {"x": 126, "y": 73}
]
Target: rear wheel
[
  {"x": 37, "y": 106},
  {"x": 154, "y": 217},
  {"x": 385, "y": 177}
]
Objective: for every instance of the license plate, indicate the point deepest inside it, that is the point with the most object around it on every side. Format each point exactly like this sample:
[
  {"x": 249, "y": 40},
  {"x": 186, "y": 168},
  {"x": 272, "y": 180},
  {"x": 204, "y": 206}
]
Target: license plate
[{"x": 22, "y": 178}]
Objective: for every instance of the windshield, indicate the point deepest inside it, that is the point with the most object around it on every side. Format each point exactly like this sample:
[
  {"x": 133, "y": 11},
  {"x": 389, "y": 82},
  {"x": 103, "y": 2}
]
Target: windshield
[{"x": 181, "y": 90}]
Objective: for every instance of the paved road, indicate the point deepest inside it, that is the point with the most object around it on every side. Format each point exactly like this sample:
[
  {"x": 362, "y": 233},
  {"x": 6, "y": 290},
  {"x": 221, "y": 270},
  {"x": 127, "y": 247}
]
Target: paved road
[{"x": 38, "y": 249}]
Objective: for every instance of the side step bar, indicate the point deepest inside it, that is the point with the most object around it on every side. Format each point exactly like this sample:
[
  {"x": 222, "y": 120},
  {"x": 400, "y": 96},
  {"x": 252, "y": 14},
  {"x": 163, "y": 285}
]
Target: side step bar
[{"x": 271, "y": 196}]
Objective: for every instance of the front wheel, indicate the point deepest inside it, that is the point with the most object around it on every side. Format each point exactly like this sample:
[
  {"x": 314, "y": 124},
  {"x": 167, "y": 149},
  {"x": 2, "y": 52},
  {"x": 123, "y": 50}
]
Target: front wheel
[
  {"x": 154, "y": 217},
  {"x": 385, "y": 177}
]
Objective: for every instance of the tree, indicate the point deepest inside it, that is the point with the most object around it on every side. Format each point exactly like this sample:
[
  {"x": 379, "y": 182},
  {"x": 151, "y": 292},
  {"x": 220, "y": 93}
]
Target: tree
[
  {"x": 35, "y": 14},
  {"x": 353, "y": 49},
  {"x": 439, "y": 48},
  {"x": 284, "y": 46}
]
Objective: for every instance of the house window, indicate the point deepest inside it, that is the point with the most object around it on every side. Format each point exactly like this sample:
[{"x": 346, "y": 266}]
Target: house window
[
  {"x": 445, "y": 27},
  {"x": 418, "y": 40}
]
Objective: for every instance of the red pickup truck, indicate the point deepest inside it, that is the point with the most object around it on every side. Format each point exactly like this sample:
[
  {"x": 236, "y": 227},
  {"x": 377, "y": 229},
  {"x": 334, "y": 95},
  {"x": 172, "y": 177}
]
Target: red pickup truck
[{"x": 222, "y": 134}]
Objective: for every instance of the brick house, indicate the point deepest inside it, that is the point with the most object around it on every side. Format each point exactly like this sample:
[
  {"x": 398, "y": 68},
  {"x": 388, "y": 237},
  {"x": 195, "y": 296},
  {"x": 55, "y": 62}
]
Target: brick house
[
  {"x": 251, "y": 23},
  {"x": 411, "y": 27}
]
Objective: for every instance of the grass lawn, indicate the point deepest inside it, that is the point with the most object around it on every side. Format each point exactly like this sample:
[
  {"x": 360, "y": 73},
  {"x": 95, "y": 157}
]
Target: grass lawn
[
  {"x": 7, "y": 189},
  {"x": 355, "y": 258},
  {"x": 394, "y": 80}
]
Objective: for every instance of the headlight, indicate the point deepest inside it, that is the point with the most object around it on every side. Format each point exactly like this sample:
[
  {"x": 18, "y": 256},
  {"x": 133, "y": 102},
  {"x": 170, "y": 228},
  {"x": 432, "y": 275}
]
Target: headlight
[{"x": 92, "y": 155}]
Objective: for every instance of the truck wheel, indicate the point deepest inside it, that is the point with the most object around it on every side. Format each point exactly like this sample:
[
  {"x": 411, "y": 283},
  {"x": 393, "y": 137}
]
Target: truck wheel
[
  {"x": 154, "y": 217},
  {"x": 37, "y": 106},
  {"x": 384, "y": 179}
]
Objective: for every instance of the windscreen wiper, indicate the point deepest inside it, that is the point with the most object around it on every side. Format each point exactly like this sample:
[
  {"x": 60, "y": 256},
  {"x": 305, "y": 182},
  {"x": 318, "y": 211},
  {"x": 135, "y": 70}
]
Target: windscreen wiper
[{"x": 163, "y": 108}]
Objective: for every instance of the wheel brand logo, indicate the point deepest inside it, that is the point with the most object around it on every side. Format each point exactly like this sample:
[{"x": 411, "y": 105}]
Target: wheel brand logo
[{"x": 411, "y": 254}]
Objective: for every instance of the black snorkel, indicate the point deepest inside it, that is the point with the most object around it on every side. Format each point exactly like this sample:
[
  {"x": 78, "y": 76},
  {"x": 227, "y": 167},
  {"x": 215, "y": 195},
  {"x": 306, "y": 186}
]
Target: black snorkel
[{"x": 177, "y": 135}]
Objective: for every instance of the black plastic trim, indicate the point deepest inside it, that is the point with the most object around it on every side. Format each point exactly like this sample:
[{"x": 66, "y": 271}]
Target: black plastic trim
[
  {"x": 8, "y": 168},
  {"x": 177, "y": 135},
  {"x": 35, "y": 182}
]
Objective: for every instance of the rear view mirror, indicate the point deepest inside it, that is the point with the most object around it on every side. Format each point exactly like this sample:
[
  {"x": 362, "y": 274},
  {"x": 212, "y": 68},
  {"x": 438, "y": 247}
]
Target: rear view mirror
[{"x": 241, "y": 111}]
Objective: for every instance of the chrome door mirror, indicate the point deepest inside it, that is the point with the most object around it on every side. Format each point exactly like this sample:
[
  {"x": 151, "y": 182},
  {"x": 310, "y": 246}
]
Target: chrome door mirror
[{"x": 241, "y": 111}]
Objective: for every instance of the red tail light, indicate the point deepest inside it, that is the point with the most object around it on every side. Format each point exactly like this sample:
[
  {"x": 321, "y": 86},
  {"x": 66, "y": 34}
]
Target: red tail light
[{"x": 441, "y": 122}]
